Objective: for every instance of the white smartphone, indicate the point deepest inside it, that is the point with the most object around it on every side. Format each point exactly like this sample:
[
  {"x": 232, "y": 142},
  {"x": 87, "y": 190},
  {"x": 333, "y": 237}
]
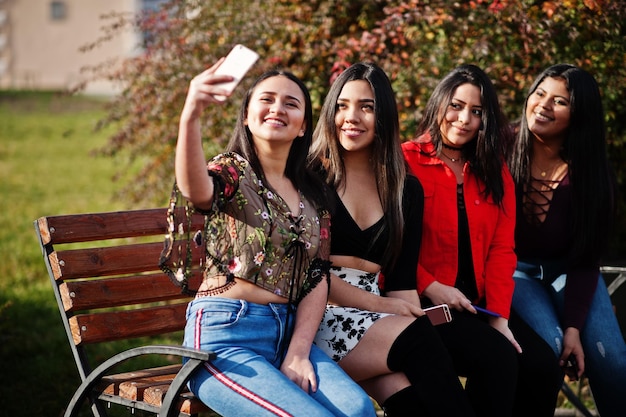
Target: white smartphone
[
  {"x": 439, "y": 314},
  {"x": 237, "y": 63}
]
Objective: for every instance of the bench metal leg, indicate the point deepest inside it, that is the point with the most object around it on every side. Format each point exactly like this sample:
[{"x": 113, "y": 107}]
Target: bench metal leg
[
  {"x": 168, "y": 408},
  {"x": 573, "y": 398}
]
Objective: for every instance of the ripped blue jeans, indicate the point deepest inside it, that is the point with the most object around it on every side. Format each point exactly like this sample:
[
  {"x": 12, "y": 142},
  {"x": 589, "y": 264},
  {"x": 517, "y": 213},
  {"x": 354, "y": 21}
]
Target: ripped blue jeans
[
  {"x": 541, "y": 306},
  {"x": 245, "y": 379}
]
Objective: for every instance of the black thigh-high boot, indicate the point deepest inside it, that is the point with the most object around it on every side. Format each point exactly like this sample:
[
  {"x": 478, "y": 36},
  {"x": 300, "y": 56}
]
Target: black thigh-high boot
[
  {"x": 421, "y": 355},
  {"x": 404, "y": 403}
]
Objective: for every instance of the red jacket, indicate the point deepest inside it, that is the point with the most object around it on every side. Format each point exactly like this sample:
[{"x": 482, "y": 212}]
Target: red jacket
[{"x": 491, "y": 229}]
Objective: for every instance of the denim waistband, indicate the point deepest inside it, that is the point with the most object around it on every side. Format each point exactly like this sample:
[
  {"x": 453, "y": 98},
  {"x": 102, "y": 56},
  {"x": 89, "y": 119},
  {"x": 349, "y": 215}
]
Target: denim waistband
[
  {"x": 545, "y": 270},
  {"x": 234, "y": 305}
]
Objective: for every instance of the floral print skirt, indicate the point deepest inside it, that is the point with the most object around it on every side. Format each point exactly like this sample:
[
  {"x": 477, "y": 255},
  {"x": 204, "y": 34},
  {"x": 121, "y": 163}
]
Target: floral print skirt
[{"x": 342, "y": 327}]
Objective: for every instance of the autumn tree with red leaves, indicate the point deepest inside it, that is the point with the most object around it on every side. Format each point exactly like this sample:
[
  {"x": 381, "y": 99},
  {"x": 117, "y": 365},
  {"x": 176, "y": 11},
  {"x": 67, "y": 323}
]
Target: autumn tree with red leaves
[{"x": 416, "y": 42}]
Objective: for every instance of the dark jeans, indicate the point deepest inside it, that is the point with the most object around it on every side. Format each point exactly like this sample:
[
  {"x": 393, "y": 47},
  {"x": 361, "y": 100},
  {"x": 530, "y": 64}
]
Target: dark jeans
[{"x": 541, "y": 306}]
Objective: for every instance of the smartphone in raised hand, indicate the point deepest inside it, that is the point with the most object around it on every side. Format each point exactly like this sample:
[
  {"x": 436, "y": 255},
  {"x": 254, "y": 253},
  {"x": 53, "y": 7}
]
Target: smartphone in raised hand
[{"x": 237, "y": 63}]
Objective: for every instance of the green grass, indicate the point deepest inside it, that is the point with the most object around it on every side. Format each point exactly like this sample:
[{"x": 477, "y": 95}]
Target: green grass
[{"x": 47, "y": 167}]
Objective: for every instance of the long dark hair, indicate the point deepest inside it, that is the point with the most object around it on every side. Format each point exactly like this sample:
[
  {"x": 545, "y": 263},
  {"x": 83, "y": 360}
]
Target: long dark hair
[
  {"x": 584, "y": 150},
  {"x": 387, "y": 160},
  {"x": 485, "y": 154},
  {"x": 242, "y": 143}
]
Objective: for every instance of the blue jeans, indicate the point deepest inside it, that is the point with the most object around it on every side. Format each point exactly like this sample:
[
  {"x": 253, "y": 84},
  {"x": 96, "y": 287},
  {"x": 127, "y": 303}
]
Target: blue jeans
[
  {"x": 245, "y": 379},
  {"x": 541, "y": 306}
]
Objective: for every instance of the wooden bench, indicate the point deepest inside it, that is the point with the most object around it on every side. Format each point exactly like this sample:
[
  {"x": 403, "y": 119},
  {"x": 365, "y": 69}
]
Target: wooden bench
[{"x": 104, "y": 271}]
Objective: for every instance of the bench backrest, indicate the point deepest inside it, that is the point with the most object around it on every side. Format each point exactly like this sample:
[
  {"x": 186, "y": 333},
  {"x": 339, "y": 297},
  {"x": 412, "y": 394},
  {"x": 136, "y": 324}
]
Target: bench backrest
[{"x": 106, "y": 279}]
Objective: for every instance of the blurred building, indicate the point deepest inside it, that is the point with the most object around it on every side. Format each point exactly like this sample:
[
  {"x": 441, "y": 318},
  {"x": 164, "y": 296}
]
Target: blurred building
[{"x": 40, "y": 41}]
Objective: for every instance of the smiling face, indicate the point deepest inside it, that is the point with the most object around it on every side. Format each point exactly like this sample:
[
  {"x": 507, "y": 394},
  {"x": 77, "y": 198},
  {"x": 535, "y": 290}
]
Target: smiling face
[
  {"x": 548, "y": 110},
  {"x": 276, "y": 110},
  {"x": 462, "y": 117},
  {"x": 355, "y": 116}
]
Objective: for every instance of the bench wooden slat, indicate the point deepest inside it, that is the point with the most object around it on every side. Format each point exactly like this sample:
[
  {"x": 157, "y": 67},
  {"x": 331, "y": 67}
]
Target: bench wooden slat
[
  {"x": 99, "y": 226},
  {"x": 111, "y": 292},
  {"x": 149, "y": 389},
  {"x": 118, "y": 325},
  {"x": 110, "y": 384},
  {"x": 188, "y": 404},
  {"x": 133, "y": 389},
  {"x": 114, "y": 260}
]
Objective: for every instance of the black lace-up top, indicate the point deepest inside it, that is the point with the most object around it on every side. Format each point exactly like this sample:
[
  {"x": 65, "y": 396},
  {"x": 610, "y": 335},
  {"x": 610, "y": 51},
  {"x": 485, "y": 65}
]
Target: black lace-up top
[{"x": 548, "y": 243}]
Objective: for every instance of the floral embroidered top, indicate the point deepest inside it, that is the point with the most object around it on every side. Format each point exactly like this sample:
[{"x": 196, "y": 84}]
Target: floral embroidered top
[{"x": 250, "y": 233}]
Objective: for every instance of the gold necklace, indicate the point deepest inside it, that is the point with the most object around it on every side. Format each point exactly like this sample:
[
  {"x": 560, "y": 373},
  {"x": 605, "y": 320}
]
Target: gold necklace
[
  {"x": 544, "y": 172},
  {"x": 452, "y": 159}
]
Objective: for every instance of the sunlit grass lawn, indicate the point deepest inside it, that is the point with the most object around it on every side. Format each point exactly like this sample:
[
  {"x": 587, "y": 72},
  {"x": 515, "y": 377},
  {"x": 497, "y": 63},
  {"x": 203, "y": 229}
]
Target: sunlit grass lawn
[{"x": 46, "y": 168}]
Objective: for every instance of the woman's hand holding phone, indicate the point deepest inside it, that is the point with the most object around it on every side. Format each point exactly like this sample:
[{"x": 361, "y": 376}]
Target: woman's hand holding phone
[
  {"x": 439, "y": 314},
  {"x": 236, "y": 64},
  {"x": 216, "y": 83}
]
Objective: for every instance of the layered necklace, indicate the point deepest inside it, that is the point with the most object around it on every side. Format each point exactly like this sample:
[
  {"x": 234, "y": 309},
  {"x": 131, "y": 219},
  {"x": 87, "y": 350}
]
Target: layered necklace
[
  {"x": 452, "y": 148},
  {"x": 459, "y": 159}
]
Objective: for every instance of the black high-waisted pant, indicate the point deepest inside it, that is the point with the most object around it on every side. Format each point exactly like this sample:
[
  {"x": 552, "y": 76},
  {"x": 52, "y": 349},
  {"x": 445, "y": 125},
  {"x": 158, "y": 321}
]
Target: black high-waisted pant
[{"x": 498, "y": 378}]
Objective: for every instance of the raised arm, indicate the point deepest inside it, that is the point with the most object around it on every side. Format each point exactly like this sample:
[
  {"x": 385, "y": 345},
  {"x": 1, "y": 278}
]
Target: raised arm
[{"x": 191, "y": 169}]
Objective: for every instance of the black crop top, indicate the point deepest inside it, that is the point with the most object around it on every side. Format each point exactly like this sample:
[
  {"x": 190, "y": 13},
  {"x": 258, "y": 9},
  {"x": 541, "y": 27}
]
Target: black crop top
[{"x": 348, "y": 239}]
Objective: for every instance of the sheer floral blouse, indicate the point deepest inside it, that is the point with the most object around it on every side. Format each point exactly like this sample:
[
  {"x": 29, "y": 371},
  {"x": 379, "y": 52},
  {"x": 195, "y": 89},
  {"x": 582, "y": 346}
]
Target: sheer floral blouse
[{"x": 250, "y": 233}]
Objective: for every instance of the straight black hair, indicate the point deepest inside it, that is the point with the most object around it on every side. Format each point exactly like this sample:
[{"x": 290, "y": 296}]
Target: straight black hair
[{"x": 584, "y": 150}]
